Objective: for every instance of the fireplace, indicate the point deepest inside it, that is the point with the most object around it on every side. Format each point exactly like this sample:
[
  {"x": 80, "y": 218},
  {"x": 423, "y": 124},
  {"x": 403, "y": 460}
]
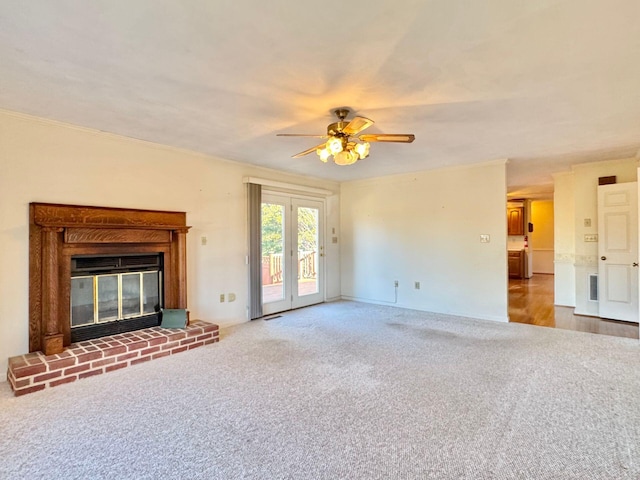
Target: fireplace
[{"x": 96, "y": 271}]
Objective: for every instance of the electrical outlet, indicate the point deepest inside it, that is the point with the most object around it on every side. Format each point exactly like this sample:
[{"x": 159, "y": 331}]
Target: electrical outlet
[
  {"x": 593, "y": 237},
  {"x": 417, "y": 285},
  {"x": 587, "y": 222},
  {"x": 203, "y": 240},
  {"x": 395, "y": 283},
  {"x": 231, "y": 297},
  {"x": 221, "y": 297},
  {"x": 485, "y": 238}
]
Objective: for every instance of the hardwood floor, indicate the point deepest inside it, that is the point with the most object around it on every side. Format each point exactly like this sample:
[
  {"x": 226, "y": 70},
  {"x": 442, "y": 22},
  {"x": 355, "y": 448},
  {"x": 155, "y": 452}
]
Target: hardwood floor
[{"x": 531, "y": 301}]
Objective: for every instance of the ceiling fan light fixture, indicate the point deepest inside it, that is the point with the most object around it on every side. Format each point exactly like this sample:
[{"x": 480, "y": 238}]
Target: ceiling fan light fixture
[
  {"x": 345, "y": 143},
  {"x": 334, "y": 145},
  {"x": 345, "y": 157},
  {"x": 362, "y": 149},
  {"x": 344, "y": 153},
  {"x": 324, "y": 154}
]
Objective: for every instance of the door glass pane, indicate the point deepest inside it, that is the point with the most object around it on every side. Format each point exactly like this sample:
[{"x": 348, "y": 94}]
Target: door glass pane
[
  {"x": 150, "y": 292},
  {"x": 272, "y": 250},
  {"x": 307, "y": 251},
  {"x": 107, "y": 297},
  {"x": 131, "y": 295},
  {"x": 81, "y": 301}
]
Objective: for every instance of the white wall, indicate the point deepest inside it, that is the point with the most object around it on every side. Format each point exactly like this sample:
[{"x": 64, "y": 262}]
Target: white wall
[
  {"x": 43, "y": 161},
  {"x": 564, "y": 241},
  {"x": 426, "y": 227}
]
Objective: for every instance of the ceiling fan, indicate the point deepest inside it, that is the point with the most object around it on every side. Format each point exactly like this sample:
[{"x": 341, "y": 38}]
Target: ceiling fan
[{"x": 343, "y": 141}]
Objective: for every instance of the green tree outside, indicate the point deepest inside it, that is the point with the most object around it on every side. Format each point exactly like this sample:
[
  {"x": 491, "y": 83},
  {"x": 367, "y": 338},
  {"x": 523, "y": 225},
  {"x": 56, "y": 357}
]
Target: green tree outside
[
  {"x": 272, "y": 229},
  {"x": 272, "y": 234},
  {"x": 307, "y": 229}
]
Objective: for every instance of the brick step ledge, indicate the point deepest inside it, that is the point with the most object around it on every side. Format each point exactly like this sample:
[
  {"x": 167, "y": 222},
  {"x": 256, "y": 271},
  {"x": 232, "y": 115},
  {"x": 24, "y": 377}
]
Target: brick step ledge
[{"x": 35, "y": 371}]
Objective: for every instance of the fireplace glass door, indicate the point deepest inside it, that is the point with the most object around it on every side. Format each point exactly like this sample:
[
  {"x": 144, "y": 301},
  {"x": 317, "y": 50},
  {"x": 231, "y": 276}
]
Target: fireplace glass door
[{"x": 105, "y": 298}]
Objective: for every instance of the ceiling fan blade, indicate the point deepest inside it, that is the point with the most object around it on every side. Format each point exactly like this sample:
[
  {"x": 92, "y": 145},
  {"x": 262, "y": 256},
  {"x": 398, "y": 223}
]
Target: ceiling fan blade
[
  {"x": 308, "y": 151},
  {"x": 388, "y": 137},
  {"x": 357, "y": 125},
  {"x": 300, "y": 135}
]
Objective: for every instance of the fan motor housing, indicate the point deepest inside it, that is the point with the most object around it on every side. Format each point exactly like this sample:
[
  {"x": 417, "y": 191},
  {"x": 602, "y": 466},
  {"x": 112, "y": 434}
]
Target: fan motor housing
[{"x": 336, "y": 128}]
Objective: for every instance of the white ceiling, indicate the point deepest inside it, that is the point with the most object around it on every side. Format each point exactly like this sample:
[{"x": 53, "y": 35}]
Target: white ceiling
[{"x": 543, "y": 83}]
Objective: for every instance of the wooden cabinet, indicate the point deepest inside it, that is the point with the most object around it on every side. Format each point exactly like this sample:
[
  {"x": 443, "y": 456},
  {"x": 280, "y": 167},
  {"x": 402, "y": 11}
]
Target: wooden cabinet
[
  {"x": 515, "y": 220},
  {"x": 516, "y": 264}
]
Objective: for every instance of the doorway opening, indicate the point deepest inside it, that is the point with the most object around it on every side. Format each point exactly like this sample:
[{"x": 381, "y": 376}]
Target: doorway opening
[{"x": 531, "y": 261}]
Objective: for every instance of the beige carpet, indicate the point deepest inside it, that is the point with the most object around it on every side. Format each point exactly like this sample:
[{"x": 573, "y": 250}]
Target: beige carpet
[{"x": 345, "y": 390}]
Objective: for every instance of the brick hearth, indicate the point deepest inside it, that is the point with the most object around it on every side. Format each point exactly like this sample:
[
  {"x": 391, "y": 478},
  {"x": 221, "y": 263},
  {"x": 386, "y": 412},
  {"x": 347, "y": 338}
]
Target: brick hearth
[{"x": 36, "y": 371}]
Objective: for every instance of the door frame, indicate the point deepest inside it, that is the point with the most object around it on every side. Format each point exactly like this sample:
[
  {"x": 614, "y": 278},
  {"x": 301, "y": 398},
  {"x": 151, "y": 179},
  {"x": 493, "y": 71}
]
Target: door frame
[{"x": 291, "y": 300}]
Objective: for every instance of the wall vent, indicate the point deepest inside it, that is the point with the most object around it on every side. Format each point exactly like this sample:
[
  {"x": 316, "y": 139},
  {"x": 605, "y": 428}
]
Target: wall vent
[{"x": 593, "y": 287}]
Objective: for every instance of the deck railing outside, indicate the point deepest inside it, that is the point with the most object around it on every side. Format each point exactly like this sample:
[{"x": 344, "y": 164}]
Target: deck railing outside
[{"x": 272, "y": 267}]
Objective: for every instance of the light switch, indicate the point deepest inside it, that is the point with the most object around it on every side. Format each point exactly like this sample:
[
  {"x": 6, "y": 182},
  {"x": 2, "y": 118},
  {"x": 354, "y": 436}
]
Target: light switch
[
  {"x": 587, "y": 222},
  {"x": 485, "y": 238}
]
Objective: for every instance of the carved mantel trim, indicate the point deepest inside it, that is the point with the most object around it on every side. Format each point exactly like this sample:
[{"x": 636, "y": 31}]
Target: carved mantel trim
[{"x": 57, "y": 232}]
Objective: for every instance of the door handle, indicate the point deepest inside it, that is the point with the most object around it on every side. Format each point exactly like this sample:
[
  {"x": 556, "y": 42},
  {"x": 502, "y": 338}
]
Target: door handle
[
  {"x": 635, "y": 264},
  {"x": 603, "y": 258}
]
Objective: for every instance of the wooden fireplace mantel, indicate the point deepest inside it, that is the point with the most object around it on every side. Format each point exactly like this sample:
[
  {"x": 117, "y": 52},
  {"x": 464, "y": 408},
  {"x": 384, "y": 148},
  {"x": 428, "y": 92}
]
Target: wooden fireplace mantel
[{"x": 58, "y": 232}]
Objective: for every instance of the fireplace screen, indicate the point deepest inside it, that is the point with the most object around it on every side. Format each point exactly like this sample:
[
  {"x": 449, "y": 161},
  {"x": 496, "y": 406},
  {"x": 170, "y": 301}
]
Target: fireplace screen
[
  {"x": 115, "y": 288},
  {"x": 104, "y": 298}
]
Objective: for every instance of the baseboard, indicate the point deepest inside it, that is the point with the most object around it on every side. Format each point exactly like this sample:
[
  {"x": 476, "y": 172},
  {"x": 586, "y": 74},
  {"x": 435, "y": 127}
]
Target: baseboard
[
  {"x": 492, "y": 318},
  {"x": 333, "y": 299}
]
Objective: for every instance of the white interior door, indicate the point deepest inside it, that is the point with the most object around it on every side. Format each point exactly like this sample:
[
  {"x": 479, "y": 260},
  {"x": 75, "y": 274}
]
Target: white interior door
[
  {"x": 292, "y": 252},
  {"x": 618, "y": 251}
]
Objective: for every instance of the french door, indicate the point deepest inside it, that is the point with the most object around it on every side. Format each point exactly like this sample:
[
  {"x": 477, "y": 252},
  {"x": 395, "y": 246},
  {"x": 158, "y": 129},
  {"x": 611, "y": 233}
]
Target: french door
[{"x": 292, "y": 252}]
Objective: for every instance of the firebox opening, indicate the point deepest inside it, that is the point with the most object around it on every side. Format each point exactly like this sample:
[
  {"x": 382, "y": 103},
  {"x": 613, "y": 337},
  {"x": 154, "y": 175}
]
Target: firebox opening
[{"x": 114, "y": 294}]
